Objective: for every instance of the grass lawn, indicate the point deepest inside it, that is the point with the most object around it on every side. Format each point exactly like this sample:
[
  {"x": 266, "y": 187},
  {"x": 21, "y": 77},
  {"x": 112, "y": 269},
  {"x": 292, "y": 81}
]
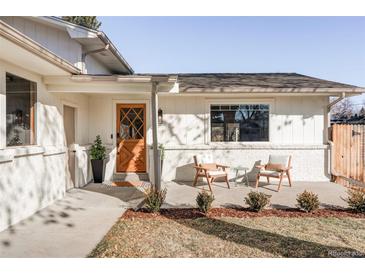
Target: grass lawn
[{"x": 234, "y": 237}]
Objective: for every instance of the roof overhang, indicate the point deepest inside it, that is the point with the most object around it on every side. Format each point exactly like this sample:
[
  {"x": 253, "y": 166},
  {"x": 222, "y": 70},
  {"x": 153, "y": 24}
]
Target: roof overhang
[
  {"x": 105, "y": 84},
  {"x": 18, "y": 49},
  {"x": 356, "y": 90},
  {"x": 91, "y": 40}
]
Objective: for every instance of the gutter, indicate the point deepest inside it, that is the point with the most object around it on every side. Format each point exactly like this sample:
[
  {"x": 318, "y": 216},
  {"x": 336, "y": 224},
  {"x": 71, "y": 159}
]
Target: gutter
[
  {"x": 340, "y": 98},
  {"x": 84, "y": 54},
  {"x": 28, "y": 44},
  {"x": 102, "y": 36}
]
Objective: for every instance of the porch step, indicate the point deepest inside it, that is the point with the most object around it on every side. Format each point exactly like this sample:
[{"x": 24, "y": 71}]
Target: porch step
[{"x": 131, "y": 177}]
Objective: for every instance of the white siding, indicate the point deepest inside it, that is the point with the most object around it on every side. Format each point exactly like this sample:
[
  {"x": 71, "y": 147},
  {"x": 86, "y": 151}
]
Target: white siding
[
  {"x": 93, "y": 66},
  {"x": 57, "y": 41},
  {"x": 294, "y": 120},
  {"x": 102, "y": 121},
  {"x": 35, "y": 176},
  {"x": 296, "y": 128}
]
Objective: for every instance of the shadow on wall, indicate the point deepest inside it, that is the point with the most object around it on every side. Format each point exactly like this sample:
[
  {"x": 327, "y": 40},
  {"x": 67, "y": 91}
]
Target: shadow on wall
[
  {"x": 32, "y": 182},
  {"x": 193, "y": 130},
  {"x": 186, "y": 173}
]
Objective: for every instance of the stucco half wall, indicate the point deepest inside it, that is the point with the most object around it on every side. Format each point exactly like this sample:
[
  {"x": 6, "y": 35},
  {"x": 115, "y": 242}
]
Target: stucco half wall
[{"x": 309, "y": 163}]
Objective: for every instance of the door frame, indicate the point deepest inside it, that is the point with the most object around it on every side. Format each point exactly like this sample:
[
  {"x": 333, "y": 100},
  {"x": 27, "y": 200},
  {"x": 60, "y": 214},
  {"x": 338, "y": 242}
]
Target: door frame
[
  {"x": 76, "y": 107},
  {"x": 76, "y": 132},
  {"x": 114, "y": 103}
]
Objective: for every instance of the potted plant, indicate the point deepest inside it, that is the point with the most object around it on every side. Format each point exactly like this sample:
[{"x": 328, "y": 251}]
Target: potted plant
[{"x": 98, "y": 155}]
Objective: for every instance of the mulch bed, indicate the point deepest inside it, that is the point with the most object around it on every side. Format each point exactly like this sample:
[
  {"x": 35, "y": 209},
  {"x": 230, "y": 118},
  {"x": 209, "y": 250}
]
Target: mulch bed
[{"x": 192, "y": 213}]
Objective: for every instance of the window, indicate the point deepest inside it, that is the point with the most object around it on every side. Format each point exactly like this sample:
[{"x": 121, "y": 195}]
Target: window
[
  {"x": 239, "y": 123},
  {"x": 20, "y": 111}
]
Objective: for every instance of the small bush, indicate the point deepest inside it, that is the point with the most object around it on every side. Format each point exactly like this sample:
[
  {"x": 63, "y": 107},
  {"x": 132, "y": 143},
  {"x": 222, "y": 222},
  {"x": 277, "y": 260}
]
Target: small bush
[
  {"x": 204, "y": 201},
  {"x": 257, "y": 200},
  {"x": 154, "y": 199},
  {"x": 356, "y": 200},
  {"x": 308, "y": 201}
]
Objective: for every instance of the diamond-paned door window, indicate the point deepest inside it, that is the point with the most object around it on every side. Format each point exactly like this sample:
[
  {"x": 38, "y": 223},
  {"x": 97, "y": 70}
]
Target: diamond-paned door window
[{"x": 131, "y": 123}]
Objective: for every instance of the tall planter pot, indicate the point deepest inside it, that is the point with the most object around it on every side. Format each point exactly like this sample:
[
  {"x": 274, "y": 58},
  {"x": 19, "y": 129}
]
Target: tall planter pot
[{"x": 98, "y": 168}]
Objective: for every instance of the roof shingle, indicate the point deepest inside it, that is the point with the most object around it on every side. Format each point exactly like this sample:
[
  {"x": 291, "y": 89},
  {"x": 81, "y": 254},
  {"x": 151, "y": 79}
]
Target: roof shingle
[{"x": 258, "y": 82}]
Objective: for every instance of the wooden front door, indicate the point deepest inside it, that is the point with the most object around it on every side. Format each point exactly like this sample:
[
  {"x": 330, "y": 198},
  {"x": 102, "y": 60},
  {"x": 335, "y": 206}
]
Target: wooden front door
[{"x": 131, "y": 138}]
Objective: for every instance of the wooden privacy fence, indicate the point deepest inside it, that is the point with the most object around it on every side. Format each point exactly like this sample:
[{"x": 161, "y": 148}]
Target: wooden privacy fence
[{"x": 348, "y": 161}]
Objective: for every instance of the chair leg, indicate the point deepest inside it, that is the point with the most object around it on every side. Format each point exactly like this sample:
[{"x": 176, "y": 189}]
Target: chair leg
[
  {"x": 289, "y": 177},
  {"x": 209, "y": 184},
  {"x": 257, "y": 180},
  {"x": 195, "y": 179},
  {"x": 280, "y": 179},
  {"x": 227, "y": 181},
  {"x": 268, "y": 179}
]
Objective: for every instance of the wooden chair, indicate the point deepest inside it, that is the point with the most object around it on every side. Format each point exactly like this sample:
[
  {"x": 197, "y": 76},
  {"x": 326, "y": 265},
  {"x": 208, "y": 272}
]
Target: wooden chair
[
  {"x": 210, "y": 171},
  {"x": 277, "y": 167}
]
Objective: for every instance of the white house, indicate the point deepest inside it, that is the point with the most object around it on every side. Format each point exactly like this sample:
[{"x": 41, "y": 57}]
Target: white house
[{"x": 62, "y": 84}]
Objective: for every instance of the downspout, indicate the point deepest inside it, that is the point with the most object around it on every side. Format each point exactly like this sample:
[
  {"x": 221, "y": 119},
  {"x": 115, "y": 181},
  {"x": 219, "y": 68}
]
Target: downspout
[
  {"x": 84, "y": 54},
  {"x": 332, "y": 171}
]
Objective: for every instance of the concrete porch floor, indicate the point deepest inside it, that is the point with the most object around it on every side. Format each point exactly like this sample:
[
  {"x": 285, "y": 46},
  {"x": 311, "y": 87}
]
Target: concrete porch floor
[{"x": 183, "y": 194}]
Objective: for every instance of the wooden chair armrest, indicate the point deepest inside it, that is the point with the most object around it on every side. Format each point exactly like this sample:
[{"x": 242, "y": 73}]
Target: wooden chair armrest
[
  {"x": 260, "y": 166},
  {"x": 200, "y": 168},
  {"x": 224, "y": 166}
]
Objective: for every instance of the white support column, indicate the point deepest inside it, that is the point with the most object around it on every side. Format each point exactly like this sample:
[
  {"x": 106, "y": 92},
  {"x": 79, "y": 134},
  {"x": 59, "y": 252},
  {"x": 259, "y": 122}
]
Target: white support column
[
  {"x": 156, "y": 158},
  {"x": 2, "y": 108}
]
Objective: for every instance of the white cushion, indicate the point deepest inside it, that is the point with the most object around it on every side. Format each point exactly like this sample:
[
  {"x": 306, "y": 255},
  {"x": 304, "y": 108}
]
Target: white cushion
[
  {"x": 270, "y": 172},
  {"x": 216, "y": 173},
  {"x": 279, "y": 160}
]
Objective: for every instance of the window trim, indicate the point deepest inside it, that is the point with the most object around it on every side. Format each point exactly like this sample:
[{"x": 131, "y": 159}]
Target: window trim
[
  {"x": 240, "y": 101},
  {"x": 33, "y": 110}
]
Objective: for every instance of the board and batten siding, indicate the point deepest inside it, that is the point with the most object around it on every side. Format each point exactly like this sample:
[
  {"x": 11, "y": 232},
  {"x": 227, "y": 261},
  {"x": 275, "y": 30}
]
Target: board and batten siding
[
  {"x": 57, "y": 41},
  {"x": 297, "y": 126},
  {"x": 293, "y": 120}
]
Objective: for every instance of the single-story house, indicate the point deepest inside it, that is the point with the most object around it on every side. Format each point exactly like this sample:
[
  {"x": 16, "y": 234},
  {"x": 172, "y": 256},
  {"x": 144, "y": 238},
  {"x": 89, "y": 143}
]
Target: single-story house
[{"x": 62, "y": 84}]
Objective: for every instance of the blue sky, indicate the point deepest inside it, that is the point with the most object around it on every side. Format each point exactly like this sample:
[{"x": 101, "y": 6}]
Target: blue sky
[{"x": 331, "y": 48}]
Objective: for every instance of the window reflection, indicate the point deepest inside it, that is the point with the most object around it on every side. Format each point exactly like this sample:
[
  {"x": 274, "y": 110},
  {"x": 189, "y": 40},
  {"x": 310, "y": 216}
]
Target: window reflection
[
  {"x": 20, "y": 110},
  {"x": 239, "y": 123}
]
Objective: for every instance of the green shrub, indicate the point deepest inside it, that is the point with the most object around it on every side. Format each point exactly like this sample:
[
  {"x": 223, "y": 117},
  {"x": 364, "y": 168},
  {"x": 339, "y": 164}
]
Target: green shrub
[
  {"x": 204, "y": 201},
  {"x": 356, "y": 200},
  {"x": 308, "y": 201},
  {"x": 154, "y": 199},
  {"x": 98, "y": 151},
  {"x": 257, "y": 200}
]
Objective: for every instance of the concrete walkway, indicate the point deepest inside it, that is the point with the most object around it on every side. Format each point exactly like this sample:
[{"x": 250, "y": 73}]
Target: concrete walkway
[
  {"x": 71, "y": 227},
  {"x": 183, "y": 194}
]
